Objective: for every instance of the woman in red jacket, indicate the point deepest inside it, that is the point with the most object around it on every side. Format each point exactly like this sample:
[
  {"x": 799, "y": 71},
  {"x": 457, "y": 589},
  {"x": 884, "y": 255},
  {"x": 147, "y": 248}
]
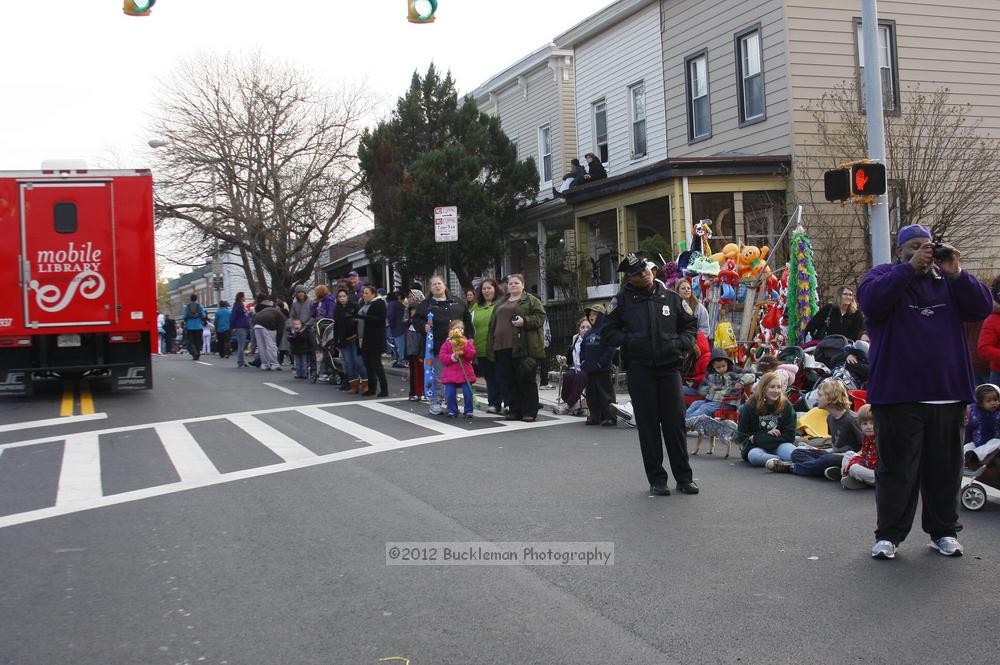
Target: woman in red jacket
[{"x": 989, "y": 338}]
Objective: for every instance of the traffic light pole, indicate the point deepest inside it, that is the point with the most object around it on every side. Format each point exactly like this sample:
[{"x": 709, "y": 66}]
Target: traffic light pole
[{"x": 878, "y": 213}]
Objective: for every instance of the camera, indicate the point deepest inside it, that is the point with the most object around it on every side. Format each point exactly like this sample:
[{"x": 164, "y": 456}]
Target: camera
[{"x": 940, "y": 251}]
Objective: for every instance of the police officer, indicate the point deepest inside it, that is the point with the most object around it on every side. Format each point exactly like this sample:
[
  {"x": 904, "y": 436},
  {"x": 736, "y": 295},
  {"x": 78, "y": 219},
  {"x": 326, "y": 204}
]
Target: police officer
[{"x": 655, "y": 333}]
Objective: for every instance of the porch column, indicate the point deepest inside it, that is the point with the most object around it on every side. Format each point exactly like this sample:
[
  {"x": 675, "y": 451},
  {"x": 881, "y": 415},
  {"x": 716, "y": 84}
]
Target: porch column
[{"x": 543, "y": 290}]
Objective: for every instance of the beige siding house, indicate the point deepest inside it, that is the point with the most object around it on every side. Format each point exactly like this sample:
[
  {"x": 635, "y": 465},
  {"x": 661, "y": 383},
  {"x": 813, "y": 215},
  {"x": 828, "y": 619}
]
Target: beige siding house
[
  {"x": 534, "y": 101},
  {"x": 707, "y": 109},
  {"x": 925, "y": 43}
]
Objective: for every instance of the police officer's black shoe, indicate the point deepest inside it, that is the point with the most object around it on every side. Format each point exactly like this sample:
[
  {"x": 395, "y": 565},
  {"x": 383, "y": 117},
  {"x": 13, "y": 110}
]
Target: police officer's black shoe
[
  {"x": 659, "y": 490},
  {"x": 687, "y": 488}
]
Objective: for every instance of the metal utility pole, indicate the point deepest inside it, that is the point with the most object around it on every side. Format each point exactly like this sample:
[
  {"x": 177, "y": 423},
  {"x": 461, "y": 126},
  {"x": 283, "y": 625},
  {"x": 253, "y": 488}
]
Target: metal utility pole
[{"x": 878, "y": 213}]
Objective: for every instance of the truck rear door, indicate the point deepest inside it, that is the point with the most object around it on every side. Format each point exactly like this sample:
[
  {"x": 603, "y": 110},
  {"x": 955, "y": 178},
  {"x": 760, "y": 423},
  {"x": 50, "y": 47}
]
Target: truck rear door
[{"x": 68, "y": 254}]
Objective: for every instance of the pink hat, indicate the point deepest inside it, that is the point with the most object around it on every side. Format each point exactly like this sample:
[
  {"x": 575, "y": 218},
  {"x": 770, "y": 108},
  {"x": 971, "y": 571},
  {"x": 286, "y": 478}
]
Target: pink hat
[{"x": 790, "y": 371}]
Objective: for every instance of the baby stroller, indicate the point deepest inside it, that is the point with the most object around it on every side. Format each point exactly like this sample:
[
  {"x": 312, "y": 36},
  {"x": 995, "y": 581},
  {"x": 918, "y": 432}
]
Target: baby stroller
[
  {"x": 983, "y": 485},
  {"x": 329, "y": 362}
]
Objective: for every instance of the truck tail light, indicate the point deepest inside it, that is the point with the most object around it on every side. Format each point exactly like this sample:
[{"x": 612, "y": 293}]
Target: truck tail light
[
  {"x": 10, "y": 342},
  {"x": 125, "y": 338}
]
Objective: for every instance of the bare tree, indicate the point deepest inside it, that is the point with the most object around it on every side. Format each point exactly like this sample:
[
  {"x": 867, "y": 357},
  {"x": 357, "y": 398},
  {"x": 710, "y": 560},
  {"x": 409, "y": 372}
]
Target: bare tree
[
  {"x": 259, "y": 160},
  {"x": 943, "y": 171}
]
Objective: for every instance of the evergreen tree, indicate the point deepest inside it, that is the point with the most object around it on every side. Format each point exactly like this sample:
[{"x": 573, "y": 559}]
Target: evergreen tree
[{"x": 437, "y": 151}]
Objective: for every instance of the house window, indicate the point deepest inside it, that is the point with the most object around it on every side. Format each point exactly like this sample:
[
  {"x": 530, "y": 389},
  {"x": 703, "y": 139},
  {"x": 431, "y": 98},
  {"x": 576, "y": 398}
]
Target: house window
[
  {"x": 718, "y": 207},
  {"x": 887, "y": 64},
  {"x": 763, "y": 219},
  {"x": 750, "y": 76},
  {"x": 601, "y": 131},
  {"x": 699, "y": 109},
  {"x": 545, "y": 153},
  {"x": 637, "y": 97}
]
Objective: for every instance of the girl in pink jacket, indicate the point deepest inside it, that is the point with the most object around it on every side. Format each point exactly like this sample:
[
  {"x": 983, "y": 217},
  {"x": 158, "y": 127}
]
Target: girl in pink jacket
[{"x": 456, "y": 357}]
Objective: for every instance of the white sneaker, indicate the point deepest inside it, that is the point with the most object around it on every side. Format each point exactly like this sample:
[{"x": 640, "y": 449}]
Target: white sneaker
[
  {"x": 947, "y": 546},
  {"x": 884, "y": 549},
  {"x": 623, "y": 411}
]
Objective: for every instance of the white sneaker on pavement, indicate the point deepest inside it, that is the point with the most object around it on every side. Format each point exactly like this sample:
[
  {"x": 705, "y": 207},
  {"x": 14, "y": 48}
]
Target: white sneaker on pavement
[
  {"x": 884, "y": 549},
  {"x": 946, "y": 546}
]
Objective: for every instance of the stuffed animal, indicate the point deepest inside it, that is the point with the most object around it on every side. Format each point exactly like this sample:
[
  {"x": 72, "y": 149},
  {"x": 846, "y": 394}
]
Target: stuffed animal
[
  {"x": 457, "y": 340},
  {"x": 752, "y": 261},
  {"x": 729, "y": 254},
  {"x": 702, "y": 234}
]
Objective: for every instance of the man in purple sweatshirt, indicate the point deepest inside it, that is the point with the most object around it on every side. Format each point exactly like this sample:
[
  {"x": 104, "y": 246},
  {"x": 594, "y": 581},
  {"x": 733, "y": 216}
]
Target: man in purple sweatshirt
[{"x": 921, "y": 380}]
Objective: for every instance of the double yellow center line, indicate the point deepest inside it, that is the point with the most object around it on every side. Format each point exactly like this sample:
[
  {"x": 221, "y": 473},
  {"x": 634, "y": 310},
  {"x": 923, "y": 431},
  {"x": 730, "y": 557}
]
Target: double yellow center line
[{"x": 70, "y": 400}]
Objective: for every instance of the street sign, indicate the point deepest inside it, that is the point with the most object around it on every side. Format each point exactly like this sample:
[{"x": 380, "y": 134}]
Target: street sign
[{"x": 446, "y": 224}]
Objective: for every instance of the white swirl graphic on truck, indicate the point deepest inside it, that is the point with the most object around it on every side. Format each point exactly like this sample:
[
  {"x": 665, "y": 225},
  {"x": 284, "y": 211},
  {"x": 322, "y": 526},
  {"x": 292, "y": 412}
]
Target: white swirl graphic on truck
[{"x": 51, "y": 299}]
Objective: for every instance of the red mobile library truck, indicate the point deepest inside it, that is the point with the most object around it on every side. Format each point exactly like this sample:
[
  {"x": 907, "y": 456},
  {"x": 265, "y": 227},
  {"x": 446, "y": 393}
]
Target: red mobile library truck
[{"x": 78, "y": 245}]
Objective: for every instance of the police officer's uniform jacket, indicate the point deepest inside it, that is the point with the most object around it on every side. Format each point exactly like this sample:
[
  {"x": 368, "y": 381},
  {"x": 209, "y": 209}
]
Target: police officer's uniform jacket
[{"x": 651, "y": 327}]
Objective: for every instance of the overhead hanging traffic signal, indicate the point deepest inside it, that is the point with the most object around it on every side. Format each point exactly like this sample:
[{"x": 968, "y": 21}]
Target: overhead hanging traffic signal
[
  {"x": 138, "y": 7},
  {"x": 421, "y": 11}
]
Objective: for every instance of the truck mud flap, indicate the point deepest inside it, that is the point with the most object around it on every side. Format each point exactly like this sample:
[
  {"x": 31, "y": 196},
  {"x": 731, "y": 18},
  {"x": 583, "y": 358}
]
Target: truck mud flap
[
  {"x": 131, "y": 378},
  {"x": 16, "y": 383}
]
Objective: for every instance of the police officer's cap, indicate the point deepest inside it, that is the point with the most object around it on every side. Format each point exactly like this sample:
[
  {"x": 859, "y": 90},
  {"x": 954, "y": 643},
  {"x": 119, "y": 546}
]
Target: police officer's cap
[{"x": 633, "y": 263}]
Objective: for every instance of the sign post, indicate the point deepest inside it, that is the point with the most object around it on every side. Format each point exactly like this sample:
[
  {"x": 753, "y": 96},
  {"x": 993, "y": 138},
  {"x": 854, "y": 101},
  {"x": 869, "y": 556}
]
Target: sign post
[{"x": 446, "y": 231}]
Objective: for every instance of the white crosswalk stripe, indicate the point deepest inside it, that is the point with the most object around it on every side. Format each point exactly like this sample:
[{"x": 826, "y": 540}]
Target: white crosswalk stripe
[
  {"x": 79, "y": 484},
  {"x": 189, "y": 460},
  {"x": 80, "y": 474},
  {"x": 280, "y": 444}
]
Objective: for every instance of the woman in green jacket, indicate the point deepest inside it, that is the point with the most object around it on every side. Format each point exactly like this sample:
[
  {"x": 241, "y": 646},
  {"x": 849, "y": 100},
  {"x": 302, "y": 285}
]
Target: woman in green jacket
[
  {"x": 482, "y": 312},
  {"x": 515, "y": 342},
  {"x": 766, "y": 430}
]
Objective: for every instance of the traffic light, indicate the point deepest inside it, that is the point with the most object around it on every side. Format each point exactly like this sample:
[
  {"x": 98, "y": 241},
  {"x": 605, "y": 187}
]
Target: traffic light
[
  {"x": 837, "y": 184},
  {"x": 867, "y": 179},
  {"x": 138, "y": 7},
  {"x": 421, "y": 11}
]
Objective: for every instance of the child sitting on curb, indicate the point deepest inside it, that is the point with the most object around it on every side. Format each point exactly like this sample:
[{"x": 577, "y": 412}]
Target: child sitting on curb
[
  {"x": 845, "y": 436},
  {"x": 721, "y": 382},
  {"x": 858, "y": 470},
  {"x": 767, "y": 424}
]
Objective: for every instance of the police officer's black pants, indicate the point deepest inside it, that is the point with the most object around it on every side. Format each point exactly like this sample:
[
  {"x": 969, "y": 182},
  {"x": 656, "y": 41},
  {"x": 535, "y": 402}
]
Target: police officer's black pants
[
  {"x": 659, "y": 417},
  {"x": 919, "y": 453}
]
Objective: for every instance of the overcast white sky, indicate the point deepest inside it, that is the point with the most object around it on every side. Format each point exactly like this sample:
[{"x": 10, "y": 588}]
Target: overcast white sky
[{"x": 79, "y": 76}]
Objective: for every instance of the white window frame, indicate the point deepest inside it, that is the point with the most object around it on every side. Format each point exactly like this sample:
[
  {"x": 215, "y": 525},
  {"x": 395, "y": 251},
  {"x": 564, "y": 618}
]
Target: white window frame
[
  {"x": 742, "y": 77},
  {"x": 545, "y": 150},
  {"x": 690, "y": 65},
  {"x": 635, "y": 121},
  {"x": 593, "y": 118},
  {"x": 887, "y": 61}
]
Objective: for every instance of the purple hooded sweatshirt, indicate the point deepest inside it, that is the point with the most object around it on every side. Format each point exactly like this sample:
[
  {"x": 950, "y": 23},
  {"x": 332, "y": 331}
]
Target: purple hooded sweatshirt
[{"x": 918, "y": 347}]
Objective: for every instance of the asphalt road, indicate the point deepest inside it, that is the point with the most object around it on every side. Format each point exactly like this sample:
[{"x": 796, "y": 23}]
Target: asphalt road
[{"x": 269, "y": 545}]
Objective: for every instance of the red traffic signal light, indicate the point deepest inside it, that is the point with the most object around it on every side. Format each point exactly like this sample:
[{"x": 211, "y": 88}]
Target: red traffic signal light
[
  {"x": 868, "y": 179},
  {"x": 837, "y": 185},
  {"x": 138, "y": 7}
]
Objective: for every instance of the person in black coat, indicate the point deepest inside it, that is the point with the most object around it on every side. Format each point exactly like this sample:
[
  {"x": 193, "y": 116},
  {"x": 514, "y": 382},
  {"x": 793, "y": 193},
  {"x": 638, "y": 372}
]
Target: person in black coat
[
  {"x": 169, "y": 334},
  {"x": 445, "y": 308},
  {"x": 371, "y": 339},
  {"x": 656, "y": 333},
  {"x": 595, "y": 170},
  {"x": 841, "y": 317}
]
